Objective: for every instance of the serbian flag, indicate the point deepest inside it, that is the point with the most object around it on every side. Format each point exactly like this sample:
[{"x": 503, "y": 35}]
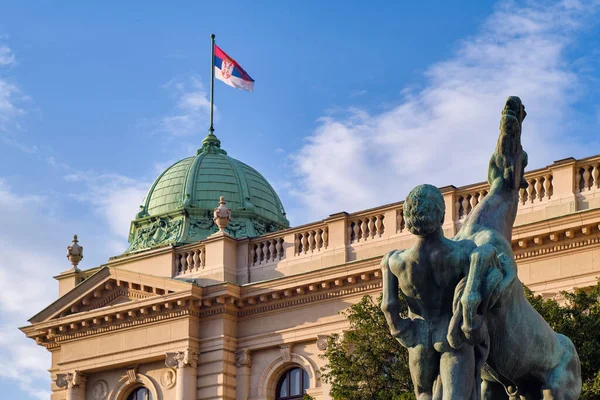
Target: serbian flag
[{"x": 230, "y": 72}]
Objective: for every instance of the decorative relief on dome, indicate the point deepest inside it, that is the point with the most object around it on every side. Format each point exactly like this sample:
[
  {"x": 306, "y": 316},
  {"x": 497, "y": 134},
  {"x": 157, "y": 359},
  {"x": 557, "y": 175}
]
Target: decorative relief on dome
[
  {"x": 237, "y": 229},
  {"x": 158, "y": 231}
]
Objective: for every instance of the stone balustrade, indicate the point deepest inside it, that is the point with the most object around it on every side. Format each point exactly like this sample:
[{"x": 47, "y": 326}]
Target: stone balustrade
[
  {"x": 366, "y": 227},
  {"x": 559, "y": 189},
  {"x": 265, "y": 250},
  {"x": 189, "y": 260},
  {"x": 311, "y": 240},
  {"x": 587, "y": 175},
  {"x": 466, "y": 199},
  {"x": 540, "y": 188}
]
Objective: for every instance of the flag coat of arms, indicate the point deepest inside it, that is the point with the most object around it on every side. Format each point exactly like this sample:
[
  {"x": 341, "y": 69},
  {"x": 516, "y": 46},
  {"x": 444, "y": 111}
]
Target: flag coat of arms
[{"x": 230, "y": 72}]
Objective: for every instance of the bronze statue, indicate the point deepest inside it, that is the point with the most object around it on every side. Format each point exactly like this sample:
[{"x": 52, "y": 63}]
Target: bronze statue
[{"x": 521, "y": 358}]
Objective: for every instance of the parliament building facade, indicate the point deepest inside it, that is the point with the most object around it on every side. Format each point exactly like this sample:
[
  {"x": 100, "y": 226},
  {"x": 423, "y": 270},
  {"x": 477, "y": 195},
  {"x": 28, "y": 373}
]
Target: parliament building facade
[{"x": 190, "y": 311}]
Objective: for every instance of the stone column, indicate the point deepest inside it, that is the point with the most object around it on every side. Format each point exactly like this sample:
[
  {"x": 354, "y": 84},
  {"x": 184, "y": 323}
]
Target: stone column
[
  {"x": 186, "y": 363},
  {"x": 74, "y": 382},
  {"x": 243, "y": 362}
]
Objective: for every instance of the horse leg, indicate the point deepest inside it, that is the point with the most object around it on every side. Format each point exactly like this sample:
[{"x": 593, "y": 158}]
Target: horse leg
[
  {"x": 563, "y": 382},
  {"x": 484, "y": 275},
  {"x": 492, "y": 391}
]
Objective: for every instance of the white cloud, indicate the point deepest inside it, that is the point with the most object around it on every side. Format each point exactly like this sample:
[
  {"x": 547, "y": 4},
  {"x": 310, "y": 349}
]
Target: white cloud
[
  {"x": 7, "y": 57},
  {"x": 445, "y": 133},
  {"x": 116, "y": 198},
  {"x": 192, "y": 107},
  {"x": 11, "y": 99},
  {"x": 32, "y": 250}
]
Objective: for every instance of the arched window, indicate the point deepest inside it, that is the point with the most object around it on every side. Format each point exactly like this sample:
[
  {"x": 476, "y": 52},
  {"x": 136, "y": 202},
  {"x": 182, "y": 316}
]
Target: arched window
[
  {"x": 140, "y": 393},
  {"x": 292, "y": 384}
]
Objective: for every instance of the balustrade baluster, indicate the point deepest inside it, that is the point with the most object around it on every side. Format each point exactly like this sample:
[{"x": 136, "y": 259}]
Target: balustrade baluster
[
  {"x": 196, "y": 260},
  {"x": 258, "y": 253},
  {"x": 364, "y": 229},
  {"x": 548, "y": 186},
  {"x": 325, "y": 237},
  {"x": 356, "y": 230},
  {"x": 531, "y": 191},
  {"x": 457, "y": 205},
  {"x": 297, "y": 244},
  {"x": 578, "y": 179},
  {"x": 279, "y": 248},
  {"x": 399, "y": 221},
  {"x": 183, "y": 263},
  {"x": 523, "y": 195},
  {"x": 465, "y": 206},
  {"x": 177, "y": 264},
  {"x": 271, "y": 250},
  {"x": 312, "y": 240},
  {"x": 371, "y": 226},
  {"x": 474, "y": 201},
  {"x": 202, "y": 257},
  {"x": 305, "y": 243},
  {"x": 586, "y": 179},
  {"x": 318, "y": 239},
  {"x": 595, "y": 175},
  {"x": 379, "y": 225},
  {"x": 538, "y": 189},
  {"x": 251, "y": 258}
]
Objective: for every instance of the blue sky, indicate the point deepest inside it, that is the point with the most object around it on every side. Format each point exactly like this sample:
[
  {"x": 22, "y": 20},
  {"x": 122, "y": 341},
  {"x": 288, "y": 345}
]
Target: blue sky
[{"x": 354, "y": 103}]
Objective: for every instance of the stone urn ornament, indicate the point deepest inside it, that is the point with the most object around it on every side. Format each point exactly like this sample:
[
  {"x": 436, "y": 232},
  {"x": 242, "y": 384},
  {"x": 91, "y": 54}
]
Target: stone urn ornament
[
  {"x": 222, "y": 215},
  {"x": 75, "y": 252}
]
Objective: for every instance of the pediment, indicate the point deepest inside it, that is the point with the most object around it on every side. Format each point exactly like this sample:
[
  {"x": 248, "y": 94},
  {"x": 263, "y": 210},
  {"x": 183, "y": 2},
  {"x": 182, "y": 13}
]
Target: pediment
[{"x": 109, "y": 287}]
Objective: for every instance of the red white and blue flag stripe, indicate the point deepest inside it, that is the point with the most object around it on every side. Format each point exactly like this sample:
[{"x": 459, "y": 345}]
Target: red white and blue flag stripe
[{"x": 230, "y": 72}]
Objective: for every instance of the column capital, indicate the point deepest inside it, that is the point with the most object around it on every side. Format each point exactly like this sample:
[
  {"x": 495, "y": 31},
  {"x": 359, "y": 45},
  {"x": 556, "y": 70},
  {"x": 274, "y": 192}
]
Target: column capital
[
  {"x": 182, "y": 359},
  {"x": 243, "y": 358},
  {"x": 71, "y": 380}
]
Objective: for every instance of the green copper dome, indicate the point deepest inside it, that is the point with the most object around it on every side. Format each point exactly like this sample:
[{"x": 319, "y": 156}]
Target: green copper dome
[{"x": 179, "y": 205}]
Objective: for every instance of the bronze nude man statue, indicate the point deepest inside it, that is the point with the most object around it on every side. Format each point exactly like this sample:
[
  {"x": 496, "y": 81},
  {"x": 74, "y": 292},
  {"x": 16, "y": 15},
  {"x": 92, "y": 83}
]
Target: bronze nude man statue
[{"x": 467, "y": 308}]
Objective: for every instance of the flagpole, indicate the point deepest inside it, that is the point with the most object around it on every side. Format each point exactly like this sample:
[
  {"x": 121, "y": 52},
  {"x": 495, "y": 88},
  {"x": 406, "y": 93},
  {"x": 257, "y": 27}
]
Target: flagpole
[{"x": 212, "y": 81}]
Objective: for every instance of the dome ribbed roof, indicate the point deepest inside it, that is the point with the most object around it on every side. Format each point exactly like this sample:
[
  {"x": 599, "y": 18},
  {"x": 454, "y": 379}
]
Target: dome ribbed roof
[{"x": 189, "y": 190}]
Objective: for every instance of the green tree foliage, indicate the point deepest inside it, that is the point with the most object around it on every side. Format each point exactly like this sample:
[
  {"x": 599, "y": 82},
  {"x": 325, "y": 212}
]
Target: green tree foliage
[
  {"x": 366, "y": 362},
  {"x": 579, "y": 319}
]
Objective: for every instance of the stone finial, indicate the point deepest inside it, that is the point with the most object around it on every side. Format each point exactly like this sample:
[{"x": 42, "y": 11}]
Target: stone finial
[
  {"x": 222, "y": 215},
  {"x": 75, "y": 252}
]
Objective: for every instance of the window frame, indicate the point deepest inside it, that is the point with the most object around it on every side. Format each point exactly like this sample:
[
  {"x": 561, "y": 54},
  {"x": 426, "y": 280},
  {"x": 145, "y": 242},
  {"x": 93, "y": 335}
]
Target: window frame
[
  {"x": 285, "y": 377},
  {"x": 136, "y": 389}
]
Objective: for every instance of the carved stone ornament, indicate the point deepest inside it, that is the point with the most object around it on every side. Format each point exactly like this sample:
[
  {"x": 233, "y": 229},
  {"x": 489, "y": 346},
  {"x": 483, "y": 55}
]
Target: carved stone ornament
[
  {"x": 286, "y": 352},
  {"x": 243, "y": 358},
  {"x": 181, "y": 359},
  {"x": 75, "y": 252},
  {"x": 168, "y": 379},
  {"x": 159, "y": 231},
  {"x": 222, "y": 215},
  {"x": 69, "y": 380},
  {"x": 322, "y": 342},
  {"x": 132, "y": 375},
  {"x": 100, "y": 390}
]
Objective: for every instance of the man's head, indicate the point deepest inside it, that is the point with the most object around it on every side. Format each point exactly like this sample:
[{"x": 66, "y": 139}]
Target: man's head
[{"x": 424, "y": 210}]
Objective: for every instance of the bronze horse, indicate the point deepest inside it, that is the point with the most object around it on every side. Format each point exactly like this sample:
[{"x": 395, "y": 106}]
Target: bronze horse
[{"x": 527, "y": 360}]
